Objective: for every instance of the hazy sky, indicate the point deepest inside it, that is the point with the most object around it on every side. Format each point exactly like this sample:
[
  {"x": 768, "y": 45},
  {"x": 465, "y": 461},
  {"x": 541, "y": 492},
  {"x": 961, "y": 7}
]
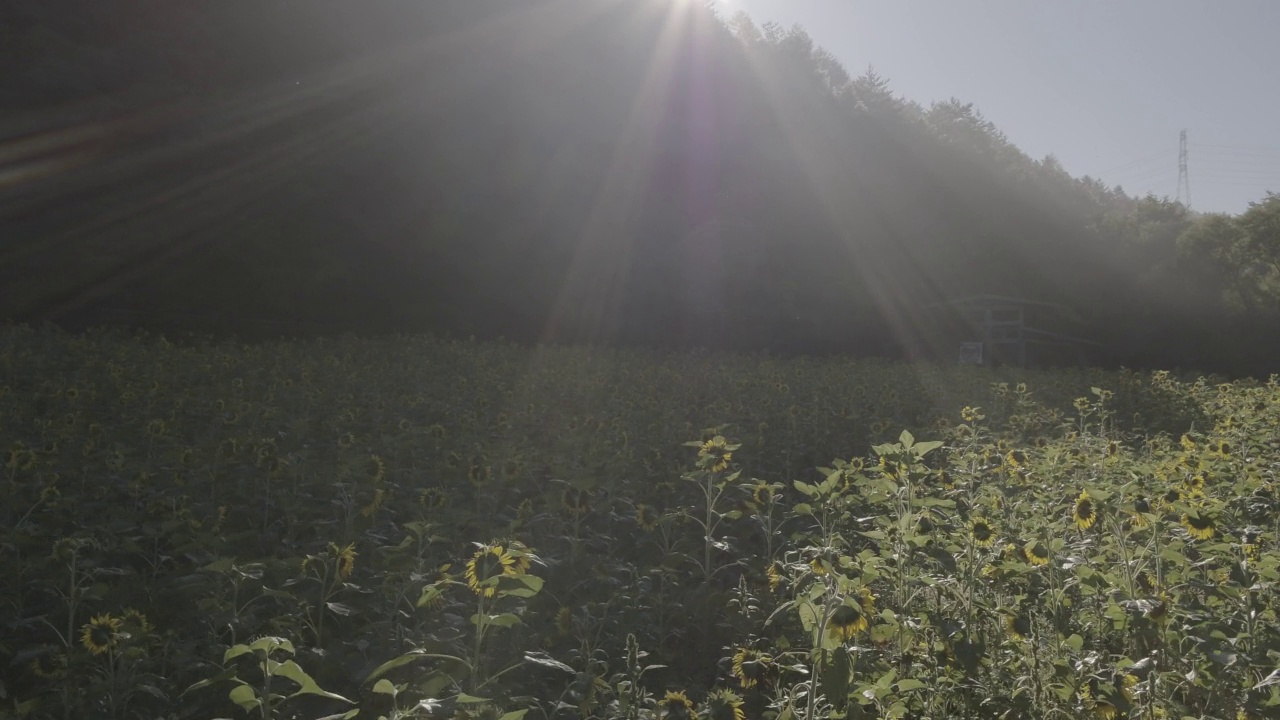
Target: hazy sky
[{"x": 1105, "y": 86}]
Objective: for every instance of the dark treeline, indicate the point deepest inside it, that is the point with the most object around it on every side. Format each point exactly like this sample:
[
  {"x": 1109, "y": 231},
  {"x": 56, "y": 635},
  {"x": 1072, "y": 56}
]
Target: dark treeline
[{"x": 635, "y": 172}]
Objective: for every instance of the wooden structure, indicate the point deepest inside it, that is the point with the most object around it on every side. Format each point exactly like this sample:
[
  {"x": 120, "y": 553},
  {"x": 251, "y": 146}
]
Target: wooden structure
[{"x": 995, "y": 330}]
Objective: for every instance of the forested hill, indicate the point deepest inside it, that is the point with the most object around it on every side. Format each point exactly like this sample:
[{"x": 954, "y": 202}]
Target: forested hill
[{"x": 621, "y": 171}]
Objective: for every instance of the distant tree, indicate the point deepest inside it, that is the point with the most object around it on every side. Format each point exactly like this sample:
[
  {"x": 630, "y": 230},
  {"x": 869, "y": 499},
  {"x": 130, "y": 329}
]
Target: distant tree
[{"x": 870, "y": 93}]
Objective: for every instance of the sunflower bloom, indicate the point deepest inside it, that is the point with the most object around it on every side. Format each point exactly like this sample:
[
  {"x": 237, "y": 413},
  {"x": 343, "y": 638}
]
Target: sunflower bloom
[
  {"x": 1199, "y": 526},
  {"x": 375, "y": 468},
  {"x": 724, "y": 705},
  {"x": 564, "y": 620},
  {"x": 136, "y": 620},
  {"x": 1099, "y": 708},
  {"x": 375, "y": 504},
  {"x": 100, "y": 634},
  {"x": 49, "y": 667},
  {"x": 1157, "y": 611},
  {"x": 1036, "y": 553},
  {"x": 346, "y": 557},
  {"x": 676, "y": 706},
  {"x": 433, "y": 498},
  {"x": 774, "y": 576},
  {"x": 761, "y": 495},
  {"x": 521, "y": 555},
  {"x": 645, "y": 518},
  {"x": 851, "y": 618},
  {"x": 1085, "y": 513},
  {"x": 1140, "y": 508},
  {"x": 750, "y": 667},
  {"x": 1249, "y": 547},
  {"x": 982, "y": 533},
  {"x": 716, "y": 453},
  {"x": 1124, "y": 685},
  {"x": 489, "y": 562},
  {"x": 1018, "y": 626}
]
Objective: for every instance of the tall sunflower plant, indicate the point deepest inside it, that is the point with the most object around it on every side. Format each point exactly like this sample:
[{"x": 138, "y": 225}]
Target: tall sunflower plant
[
  {"x": 436, "y": 672},
  {"x": 714, "y": 475},
  {"x": 329, "y": 573},
  {"x": 899, "y": 484}
]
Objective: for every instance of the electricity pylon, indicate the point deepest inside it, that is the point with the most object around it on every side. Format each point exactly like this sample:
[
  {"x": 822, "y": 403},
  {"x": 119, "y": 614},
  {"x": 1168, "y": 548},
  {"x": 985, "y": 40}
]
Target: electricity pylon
[{"x": 1184, "y": 180}]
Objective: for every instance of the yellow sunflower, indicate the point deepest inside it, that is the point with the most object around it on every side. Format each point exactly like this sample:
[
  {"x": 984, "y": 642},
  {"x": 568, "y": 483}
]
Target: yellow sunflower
[
  {"x": 100, "y": 634},
  {"x": 1198, "y": 525},
  {"x": 136, "y": 621},
  {"x": 676, "y": 706},
  {"x": 375, "y": 504},
  {"x": 645, "y": 517},
  {"x": 1157, "y": 610},
  {"x": 433, "y": 498},
  {"x": 1145, "y": 581},
  {"x": 1018, "y": 626},
  {"x": 1124, "y": 685},
  {"x": 724, "y": 705},
  {"x": 564, "y": 620},
  {"x": 1015, "y": 459},
  {"x": 49, "y": 666},
  {"x": 1249, "y": 546},
  {"x": 982, "y": 532},
  {"x": 346, "y": 558},
  {"x": 774, "y": 575},
  {"x": 716, "y": 453},
  {"x": 1085, "y": 513},
  {"x": 761, "y": 495},
  {"x": 489, "y": 562},
  {"x": 750, "y": 666},
  {"x": 851, "y": 618},
  {"x": 1036, "y": 553},
  {"x": 1140, "y": 508},
  {"x": 522, "y": 556}
]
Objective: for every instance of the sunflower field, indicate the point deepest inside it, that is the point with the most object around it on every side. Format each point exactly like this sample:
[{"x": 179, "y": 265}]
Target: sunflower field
[{"x": 414, "y": 527}]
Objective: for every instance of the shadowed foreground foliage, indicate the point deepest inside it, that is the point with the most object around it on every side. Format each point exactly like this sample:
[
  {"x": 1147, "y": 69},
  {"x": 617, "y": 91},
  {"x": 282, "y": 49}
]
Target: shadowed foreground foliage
[{"x": 412, "y": 527}]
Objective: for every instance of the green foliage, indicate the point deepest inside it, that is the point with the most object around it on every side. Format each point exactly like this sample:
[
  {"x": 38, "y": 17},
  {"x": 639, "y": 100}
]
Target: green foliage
[
  {"x": 260, "y": 698},
  {"x": 415, "y": 527}
]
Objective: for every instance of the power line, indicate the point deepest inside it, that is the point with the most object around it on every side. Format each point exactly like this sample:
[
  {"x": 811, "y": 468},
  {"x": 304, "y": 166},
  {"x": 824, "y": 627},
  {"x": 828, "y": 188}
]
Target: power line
[
  {"x": 1239, "y": 148},
  {"x": 1163, "y": 154},
  {"x": 1162, "y": 174}
]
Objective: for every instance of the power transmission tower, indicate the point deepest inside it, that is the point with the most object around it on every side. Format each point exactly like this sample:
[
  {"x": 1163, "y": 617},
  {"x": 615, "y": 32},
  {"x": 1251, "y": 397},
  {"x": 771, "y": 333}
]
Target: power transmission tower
[{"x": 1184, "y": 180}]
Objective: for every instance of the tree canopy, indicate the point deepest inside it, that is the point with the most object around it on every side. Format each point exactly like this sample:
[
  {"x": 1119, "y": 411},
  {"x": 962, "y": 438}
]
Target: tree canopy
[{"x": 644, "y": 173}]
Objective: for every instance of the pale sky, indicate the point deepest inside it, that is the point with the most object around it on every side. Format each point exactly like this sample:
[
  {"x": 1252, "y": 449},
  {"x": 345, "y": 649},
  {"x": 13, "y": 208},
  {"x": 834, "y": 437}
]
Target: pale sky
[{"x": 1105, "y": 86}]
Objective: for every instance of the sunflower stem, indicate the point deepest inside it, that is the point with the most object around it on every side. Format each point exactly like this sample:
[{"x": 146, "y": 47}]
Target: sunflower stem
[{"x": 477, "y": 658}]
